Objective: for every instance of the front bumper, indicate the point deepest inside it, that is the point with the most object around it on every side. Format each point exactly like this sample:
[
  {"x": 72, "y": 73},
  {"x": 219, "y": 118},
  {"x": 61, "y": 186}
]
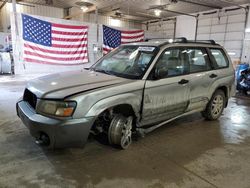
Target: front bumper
[{"x": 62, "y": 133}]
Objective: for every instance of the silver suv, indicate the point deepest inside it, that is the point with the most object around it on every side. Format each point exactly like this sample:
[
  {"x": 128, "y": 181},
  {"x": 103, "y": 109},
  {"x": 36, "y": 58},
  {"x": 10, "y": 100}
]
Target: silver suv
[{"x": 131, "y": 91}]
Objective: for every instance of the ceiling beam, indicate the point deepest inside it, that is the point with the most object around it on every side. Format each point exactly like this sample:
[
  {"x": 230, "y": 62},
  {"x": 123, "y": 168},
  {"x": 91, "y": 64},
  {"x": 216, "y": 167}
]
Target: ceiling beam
[
  {"x": 177, "y": 12},
  {"x": 200, "y": 4},
  {"x": 3, "y": 3},
  {"x": 149, "y": 15},
  {"x": 92, "y": 8},
  {"x": 234, "y": 4}
]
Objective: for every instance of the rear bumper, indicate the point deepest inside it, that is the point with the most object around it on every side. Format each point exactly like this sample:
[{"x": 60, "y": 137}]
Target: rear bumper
[{"x": 62, "y": 133}]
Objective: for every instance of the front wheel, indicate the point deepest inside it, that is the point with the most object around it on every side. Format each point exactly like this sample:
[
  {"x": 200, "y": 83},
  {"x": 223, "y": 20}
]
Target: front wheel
[
  {"x": 215, "y": 106},
  {"x": 120, "y": 131}
]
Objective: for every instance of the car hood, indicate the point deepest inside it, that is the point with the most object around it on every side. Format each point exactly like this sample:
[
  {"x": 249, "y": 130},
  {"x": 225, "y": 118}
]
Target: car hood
[{"x": 61, "y": 85}]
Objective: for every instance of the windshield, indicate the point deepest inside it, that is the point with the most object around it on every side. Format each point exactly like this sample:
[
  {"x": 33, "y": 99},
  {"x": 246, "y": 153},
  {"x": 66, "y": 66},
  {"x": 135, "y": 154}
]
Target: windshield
[{"x": 127, "y": 61}]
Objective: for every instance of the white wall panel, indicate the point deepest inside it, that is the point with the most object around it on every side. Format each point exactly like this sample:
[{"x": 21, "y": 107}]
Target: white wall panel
[
  {"x": 185, "y": 27},
  {"x": 164, "y": 29},
  {"x": 226, "y": 28},
  {"x": 203, "y": 36},
  {"x": 220, "y": 20},
  {"x": 236, "y": 27},
  {"x": 218, "y": 28},
  {"x": 203, "y": 30},
  {"x": 235, "y": 35},
  {"x": 236, "y": 18},
  {"x": 233, "y": 45},
  {"x": 217, "y": 36},
  {"x": 39, "y": 10}
]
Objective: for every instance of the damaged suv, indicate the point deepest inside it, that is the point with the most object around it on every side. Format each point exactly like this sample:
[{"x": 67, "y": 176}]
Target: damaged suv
[{"x": 134, "y": 89}]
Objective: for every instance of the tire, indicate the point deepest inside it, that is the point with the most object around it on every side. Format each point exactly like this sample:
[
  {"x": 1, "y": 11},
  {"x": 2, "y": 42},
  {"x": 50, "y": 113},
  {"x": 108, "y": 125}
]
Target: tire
[
  {"x": 215, "y": 106},
  {"x": 120, "y": 131}
]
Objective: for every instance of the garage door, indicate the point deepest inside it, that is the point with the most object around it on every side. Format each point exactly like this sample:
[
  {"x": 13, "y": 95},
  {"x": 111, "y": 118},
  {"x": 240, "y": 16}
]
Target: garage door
[{"x": 227, "y": 29}]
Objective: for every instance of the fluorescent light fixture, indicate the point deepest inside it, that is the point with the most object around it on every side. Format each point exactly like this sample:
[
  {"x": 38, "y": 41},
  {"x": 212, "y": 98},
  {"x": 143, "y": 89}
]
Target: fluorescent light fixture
[
  {"x": 115, "y": 22},
  {"x": 84, "y": 8},
  {"x": 247, "y": 30},
  {"x": 171, "y": 40},
  {"x": 231, "y": 53},
  {"x": 157, "y": 12}
]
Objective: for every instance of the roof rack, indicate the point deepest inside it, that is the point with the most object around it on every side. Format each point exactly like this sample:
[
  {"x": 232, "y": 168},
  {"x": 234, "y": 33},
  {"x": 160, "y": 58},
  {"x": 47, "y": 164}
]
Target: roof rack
[
  {"x": 183, "y": 40},
  {"x": 204, "y": 41}
]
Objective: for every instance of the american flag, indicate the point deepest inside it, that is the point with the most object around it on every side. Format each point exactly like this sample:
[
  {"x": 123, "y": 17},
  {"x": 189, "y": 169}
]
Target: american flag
[
  {"x": 112, "y": 38},
  {"x": 54, "y": 43}
]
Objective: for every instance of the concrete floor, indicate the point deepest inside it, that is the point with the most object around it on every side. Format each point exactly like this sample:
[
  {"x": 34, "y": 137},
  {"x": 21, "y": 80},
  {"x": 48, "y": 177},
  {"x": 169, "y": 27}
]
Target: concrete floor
[{"x": 189, "y": 152}]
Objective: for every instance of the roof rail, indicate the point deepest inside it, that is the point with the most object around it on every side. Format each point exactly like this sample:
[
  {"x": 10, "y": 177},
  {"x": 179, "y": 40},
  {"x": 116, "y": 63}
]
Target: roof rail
[
  {"x": 182, "y": 40},
  {"x": 204, "y": 41}
]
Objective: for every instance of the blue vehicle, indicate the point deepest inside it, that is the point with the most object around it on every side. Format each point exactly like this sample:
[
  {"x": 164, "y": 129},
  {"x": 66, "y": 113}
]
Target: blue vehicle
[{"x": 243, "y": 78}]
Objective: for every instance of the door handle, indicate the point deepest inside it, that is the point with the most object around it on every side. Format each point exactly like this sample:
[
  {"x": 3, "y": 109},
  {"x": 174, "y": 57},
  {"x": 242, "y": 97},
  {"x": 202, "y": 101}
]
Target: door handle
[
  {"x": 213, "y": 76},
  {"x": 183, "y": 81}
]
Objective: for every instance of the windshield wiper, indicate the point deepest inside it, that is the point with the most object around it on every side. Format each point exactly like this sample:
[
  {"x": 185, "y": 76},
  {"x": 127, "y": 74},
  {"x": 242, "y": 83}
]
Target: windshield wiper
[{"x": 103, "y": 71}]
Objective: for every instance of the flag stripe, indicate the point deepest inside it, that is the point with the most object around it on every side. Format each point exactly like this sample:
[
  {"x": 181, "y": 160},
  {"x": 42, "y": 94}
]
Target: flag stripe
[
  {"x": 133, "y": 32},
  {"x": 56, "y": 49},
  {"x": 68, "y": 33},
  {"x": 133, "y": 37},
  {"x": 55, "y": 61},
  {"x": 132, "y": 40},
  {"x": 69, "y": 26},
  {"x": 30, "y": 60},
  {"x": 69, "y": 46},
  {"x": 69, "y": 36},
  {"x": 54, "y": 58},
  {"x": 26, "y": 50},
  {"x": 38, "y": 49},
  {"x": 70, "y": 39}
]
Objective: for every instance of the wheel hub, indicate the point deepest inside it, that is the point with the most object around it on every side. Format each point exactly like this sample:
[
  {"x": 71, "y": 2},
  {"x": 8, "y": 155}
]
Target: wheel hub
[
  {"x": 217, "y": 105},
  {"x": 120, "y": 131}
]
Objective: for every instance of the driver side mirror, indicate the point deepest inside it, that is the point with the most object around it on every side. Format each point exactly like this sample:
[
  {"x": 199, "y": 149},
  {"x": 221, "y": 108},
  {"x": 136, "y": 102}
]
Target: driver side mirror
[{"x": 160, "y": 73}]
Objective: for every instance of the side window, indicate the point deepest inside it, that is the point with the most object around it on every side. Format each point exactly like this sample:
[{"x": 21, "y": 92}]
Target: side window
[
  {"x": 198, "y": 60},
  {"x": 171, "y": 63},
  {"x": 219, "y": 58}
]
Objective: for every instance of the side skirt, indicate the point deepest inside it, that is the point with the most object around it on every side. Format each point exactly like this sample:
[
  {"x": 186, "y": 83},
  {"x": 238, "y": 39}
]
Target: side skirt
[{"x": 142, "y": 131}]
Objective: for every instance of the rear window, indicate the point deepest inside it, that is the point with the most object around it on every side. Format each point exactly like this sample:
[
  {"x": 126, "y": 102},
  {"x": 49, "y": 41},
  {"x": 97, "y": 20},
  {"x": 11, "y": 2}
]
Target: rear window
[{"x": 220, "y": 58}]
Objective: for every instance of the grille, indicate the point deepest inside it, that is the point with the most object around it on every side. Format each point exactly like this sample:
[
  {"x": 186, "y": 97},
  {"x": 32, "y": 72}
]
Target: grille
[{"x": 30, "y": 98}]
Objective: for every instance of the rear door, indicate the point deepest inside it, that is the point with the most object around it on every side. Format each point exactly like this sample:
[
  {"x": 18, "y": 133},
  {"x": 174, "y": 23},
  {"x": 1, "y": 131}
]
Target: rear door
[
  {"x": 200, "y": 71},
  {"x": 168, "y": 96}
]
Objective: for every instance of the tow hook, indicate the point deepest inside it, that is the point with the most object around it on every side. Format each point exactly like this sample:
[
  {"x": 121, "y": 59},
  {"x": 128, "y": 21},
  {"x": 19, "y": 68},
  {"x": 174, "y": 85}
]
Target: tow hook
[{"x": 43, "y": 140}]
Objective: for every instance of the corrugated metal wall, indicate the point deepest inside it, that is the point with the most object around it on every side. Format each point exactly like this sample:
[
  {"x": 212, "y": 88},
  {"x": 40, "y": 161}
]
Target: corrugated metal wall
[
  {"x": 39, "y": 10},
  {"x": 106, "y": 20},
  {"x": 162, "y": 29},
  {"x": 226, "y": 28}
]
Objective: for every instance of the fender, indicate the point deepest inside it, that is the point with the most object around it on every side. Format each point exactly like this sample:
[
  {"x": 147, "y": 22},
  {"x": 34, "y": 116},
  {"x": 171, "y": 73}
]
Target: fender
[
  {"x": 223, "y": 82},
  {"x": 131, "y": 99}
]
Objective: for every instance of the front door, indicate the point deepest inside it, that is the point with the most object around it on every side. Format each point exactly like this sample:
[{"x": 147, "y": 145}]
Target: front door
[{"x": 166, "y": 93}]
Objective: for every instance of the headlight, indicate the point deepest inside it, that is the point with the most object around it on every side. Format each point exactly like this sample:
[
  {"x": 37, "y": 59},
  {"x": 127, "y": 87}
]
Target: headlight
[{"x": 56, "y": 108}]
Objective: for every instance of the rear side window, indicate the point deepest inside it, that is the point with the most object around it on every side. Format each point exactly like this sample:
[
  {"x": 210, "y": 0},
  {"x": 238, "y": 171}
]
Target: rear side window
[
  {"x": 198, "y": 60},
  {"x": 219, "y": 58}
]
